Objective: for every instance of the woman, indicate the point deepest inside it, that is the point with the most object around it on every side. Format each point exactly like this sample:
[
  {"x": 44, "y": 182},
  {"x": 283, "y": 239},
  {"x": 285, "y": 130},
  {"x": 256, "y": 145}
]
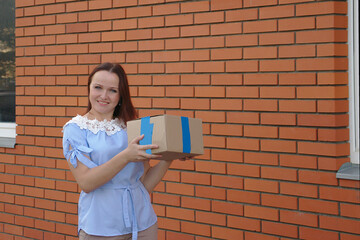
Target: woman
[{"x": 115, "y": 177}]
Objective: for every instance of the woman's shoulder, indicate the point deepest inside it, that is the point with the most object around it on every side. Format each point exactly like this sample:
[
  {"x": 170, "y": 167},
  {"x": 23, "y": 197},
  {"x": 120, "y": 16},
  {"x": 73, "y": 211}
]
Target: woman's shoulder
[
  {"x": 93, "y": 125},
  {"x": 76, "y": 121}
]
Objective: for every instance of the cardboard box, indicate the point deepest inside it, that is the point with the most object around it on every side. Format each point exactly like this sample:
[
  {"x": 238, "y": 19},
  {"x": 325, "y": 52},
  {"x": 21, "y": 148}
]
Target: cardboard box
[{"x": 176, "y": 136}]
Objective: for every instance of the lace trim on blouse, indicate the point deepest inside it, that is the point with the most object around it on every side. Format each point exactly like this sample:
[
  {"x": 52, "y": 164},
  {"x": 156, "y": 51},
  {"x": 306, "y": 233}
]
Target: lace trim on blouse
[{"x": 110, "y": 127}]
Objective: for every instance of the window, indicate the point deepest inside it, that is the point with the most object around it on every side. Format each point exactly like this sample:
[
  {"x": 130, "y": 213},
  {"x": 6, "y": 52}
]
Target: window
[
  {"x": 7, "y": 73},
  {"x": 351, "y": 170}
]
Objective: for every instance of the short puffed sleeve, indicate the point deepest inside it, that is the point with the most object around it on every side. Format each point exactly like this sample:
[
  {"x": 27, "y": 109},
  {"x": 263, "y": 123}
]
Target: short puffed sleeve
[{"x": 75, "y": 145}]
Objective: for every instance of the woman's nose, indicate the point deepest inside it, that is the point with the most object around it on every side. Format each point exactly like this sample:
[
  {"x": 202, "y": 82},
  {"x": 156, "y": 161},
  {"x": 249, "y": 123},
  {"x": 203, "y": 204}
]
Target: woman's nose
[{"x": 104, "y": 94}]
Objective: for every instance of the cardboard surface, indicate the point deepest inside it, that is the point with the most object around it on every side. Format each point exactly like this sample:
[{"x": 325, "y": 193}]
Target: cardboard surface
[{"x": 171, "y": 134}]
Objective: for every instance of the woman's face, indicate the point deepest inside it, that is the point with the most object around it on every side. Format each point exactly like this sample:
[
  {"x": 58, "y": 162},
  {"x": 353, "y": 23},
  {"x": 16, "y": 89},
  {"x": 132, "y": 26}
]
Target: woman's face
[{"x": 104, "y": 94}]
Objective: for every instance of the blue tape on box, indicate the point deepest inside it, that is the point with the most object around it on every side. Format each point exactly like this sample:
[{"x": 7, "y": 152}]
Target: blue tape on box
[
  {"x": 186, "y": 135},
  {"x": 147, "y": 130}
]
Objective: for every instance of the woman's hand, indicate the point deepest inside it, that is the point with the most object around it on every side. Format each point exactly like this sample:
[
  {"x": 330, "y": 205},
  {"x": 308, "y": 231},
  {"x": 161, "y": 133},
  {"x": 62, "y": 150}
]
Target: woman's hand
[{"x": 135, "y": 152}]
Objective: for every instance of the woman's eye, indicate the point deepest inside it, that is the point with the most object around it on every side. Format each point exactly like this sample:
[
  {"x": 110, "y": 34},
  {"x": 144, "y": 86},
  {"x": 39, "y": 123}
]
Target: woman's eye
[
  {"x": 97, "y": 87},
  {"x": 114, "y": 91}
]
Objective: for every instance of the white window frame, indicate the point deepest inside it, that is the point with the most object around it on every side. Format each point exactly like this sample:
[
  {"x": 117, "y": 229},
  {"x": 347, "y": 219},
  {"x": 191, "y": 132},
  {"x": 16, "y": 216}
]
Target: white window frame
[
  {"x": 354, "y": 82},
  {"x": 351, "y": 170},
  {"x": 7, "y": 134}
]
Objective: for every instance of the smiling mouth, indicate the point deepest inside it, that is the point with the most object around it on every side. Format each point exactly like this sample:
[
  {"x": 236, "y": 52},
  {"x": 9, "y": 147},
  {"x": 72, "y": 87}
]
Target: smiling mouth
[{"x": 102, "y": 102}]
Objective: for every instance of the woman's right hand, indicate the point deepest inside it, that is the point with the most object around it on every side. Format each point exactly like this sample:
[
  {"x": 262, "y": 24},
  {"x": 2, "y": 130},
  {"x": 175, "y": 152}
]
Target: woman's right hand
[{"x": 136, "y": 152}]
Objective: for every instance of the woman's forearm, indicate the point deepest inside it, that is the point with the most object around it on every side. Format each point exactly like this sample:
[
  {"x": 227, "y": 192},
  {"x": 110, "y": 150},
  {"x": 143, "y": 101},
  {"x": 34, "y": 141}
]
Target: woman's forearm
[
  {"x": 155, "y": 174},
  {"x": 90, "y": 179}
]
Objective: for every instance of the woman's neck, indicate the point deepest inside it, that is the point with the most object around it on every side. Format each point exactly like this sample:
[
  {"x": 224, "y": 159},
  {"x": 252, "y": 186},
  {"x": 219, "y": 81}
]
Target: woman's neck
[{"x": 100, "y": 117}]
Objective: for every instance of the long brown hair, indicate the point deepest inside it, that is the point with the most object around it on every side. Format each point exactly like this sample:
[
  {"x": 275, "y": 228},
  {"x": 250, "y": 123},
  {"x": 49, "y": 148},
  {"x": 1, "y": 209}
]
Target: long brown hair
[{"x": 125, "y": 111}]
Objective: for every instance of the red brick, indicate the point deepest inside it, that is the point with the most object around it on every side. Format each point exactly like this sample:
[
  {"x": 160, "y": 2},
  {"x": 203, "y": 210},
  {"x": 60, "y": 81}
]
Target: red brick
[
  {"x": 226, "y": 155},
  {"x": 260, "y": 52},
  {"x": 243, "y": 143},
  {"x": 166, "y": 199},
  {"x": 227, "y": 181},
  {"x": 277, "y": 65},
  {"x": 279, "y": 173},
  {"x": 260, "y": 26},
  {"x": 255, "y": 236},
  {"x": 241, "y": 15},
  {"x": 260, "y": 105},
  {"x": 324, "y": 120},
  {"x": 323, "y": 149},
  {"x": 210, "y": 192},
  {"x": 339, "y": 194},
  {"x": 195, "y": 228},
  {"x": 227, "y": 130},
  {"x": 297, "y": 189},
  {"x": 226, "y": 233},
  {"x": 249, "y": 224},
  {"x": 187, "y": 7},
  {"x": 261, "y": 158},
  {"x": 195, "y": 203},
  {"x": 227, "y": 208},
  {"x": 277, "y": 12},
  {"x": 261, "y": 185},
  {"x": 328, "y": 163},
  {"x": 260, "y": 79},
  {"x": 180, "y": 213},
  {"x": 226, "y": 28},
  {"x": 297, "y": 106},
  {"x": 281, "y": 229},
  {"x": 172, "y": 56},
  {"x": 321, "y": 8},
  {"x": 195, "y": 178},
  {"x": 242, "y": 40},
  {"x": 279, "y": 201},
  {"x": 260, "y": 131},
  {"x": 318, "y": 206},
  {"x": 166, "y": 9},
  {"x": 333, "y": 78},
  {"x": 175, "y": 235},
  {"x": 333, "y": 135},
  {"x": 117, "y": 25},
  {"x": 321, "y": 36},
  {"x": 258, "y": 3},
  {"x": 298, "y": 23},
  {"x": 210, "y": 167},
  {"x": 225, "y": 104},
  {"x": 243, "y": 170},
  {"x": 299, "y": 218},
  {"x": 277, "y": 38},
  {"x": 194, "y": 103},
  {"x": 298, "y": 133},
  {"x": 332, "y": 50},
  {"x": 184, "y": 189},
  {"x": 349, "y": 210},
  {"x": 243, "y": 117},
  {"x": 210, "y": 218},
  {"x": 315, "y": 233},
  {"x": 242, "y": 66},
  {"x": 339, "y": 224},
  {"x": 297, "y": 51},
  {"x": 297, "y": 78},
  {"x": 242, "y": 92},
  {"x": 323, "y": 92},
  {"x": 261, "y": 212}
]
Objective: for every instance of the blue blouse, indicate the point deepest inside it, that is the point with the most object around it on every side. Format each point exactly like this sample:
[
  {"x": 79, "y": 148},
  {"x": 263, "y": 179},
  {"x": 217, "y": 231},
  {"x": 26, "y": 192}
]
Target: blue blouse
[{"x": 120, "y": 206}]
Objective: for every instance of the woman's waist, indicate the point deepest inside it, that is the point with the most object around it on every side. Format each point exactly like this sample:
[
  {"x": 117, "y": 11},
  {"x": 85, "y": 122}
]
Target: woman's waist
[{"x": 124, "y": 186}]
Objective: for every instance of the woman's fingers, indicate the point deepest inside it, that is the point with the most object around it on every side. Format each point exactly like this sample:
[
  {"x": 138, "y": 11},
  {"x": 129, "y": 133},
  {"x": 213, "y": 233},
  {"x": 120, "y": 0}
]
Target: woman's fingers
[
  {"x": 149, "y": 156},
  {"x": 137, "y": 139},
  {"x": 150, "y": 146}
]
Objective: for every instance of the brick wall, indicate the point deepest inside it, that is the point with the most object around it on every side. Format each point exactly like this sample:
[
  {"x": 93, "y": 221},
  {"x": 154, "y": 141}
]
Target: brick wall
[{"x": 268, "y": 79}]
